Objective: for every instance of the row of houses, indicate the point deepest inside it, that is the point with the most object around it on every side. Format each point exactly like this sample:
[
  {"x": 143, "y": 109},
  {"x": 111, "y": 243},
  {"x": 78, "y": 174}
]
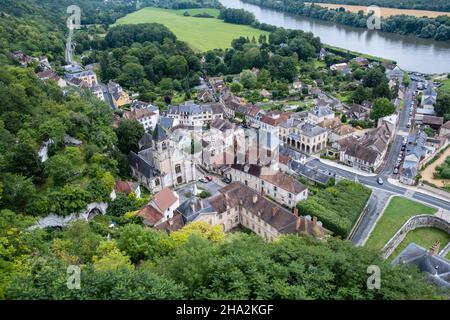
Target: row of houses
[{"x": 234, "y": 205}]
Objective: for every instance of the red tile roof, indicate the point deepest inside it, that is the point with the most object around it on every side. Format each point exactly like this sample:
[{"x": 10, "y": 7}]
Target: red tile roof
[{"x": 164, "y": 199}]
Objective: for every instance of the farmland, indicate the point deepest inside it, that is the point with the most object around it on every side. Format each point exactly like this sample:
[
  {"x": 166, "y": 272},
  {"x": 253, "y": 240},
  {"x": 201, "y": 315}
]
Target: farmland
[
  {"x": 201, "y": 34},
  {"x": 386, "y": 12}
]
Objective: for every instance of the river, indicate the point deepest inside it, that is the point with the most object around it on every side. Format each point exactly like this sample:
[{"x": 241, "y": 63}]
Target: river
[{"x": 411, "y": 53}]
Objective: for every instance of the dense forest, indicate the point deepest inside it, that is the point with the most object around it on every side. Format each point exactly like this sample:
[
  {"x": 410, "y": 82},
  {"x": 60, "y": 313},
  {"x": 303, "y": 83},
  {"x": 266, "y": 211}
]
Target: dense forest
[
  {"x": 118, "y": 256},
  {"x": 437, "y": 28}
]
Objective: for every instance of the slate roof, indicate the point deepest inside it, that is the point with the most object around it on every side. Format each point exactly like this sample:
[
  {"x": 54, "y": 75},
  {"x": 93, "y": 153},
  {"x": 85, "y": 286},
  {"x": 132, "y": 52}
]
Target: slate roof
[
  {"x": 311, "y": 174},
  {"x": 146, "y": 141},
  {"x": 142, "y": 165},
  {"x": 237, "y": 194},
  {"x": 193, "y": 207},
  {"x": 159, "y": 134},
  {"x": 166, "y": 122},
  {"x": 312, "y": 130},
  {"x": 436, "y": 267}
]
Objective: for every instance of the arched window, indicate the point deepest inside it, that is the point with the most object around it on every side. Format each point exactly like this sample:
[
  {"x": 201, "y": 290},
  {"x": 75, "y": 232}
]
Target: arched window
[
  {"x": 157, "y": 182},
  {"x": 178, "y": 169}
]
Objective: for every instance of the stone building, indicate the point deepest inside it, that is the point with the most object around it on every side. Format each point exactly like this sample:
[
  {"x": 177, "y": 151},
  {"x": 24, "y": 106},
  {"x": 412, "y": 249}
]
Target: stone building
[
  {"x": 163, "y": 162},
  {"x": 237, "y": 205}
]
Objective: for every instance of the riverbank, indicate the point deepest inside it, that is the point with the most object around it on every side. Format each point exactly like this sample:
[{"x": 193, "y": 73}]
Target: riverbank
[
  {"x": 411, "y": 53},
  {"x": 385, "y": 12}
]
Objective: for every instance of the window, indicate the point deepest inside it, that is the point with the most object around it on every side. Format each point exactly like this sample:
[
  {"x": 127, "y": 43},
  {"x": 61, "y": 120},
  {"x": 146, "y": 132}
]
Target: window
[
  {"x": 220, "y": 216},
  {"x": 274, "y": 188},
  {"x": 246, "y": 182},
  {"x": 178, "y": 169},
  {"x": 290, "y": 195},
  {"x": 157, "y": 182}
]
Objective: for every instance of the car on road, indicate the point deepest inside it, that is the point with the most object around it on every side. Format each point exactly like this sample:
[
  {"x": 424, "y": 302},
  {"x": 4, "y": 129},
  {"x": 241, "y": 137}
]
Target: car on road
[
  {"x": 226, "y": 180},
  {"x": 380, "y": 181},
  {"x": 209, "y": 178},
  {"x": 395, "y": 170},
  {"x": 203, "y": 180}
]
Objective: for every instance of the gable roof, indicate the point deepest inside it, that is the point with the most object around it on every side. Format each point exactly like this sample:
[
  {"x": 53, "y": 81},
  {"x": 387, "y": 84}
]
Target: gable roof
[
  {"x": 164, "y": 199},
  {"x": 125, "y": 187},
  {"x": 285, "y": 182},
  {"x": 150, "y": 215}
]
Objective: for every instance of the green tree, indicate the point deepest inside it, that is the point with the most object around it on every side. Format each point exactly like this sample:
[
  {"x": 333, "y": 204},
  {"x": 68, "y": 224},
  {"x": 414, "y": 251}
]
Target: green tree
[
  {"x": 382, "y": 107},
  {"x": 128, "y": 134},
  {"x": 64, "y": 166},
  {"x": 248, "y": 79}
]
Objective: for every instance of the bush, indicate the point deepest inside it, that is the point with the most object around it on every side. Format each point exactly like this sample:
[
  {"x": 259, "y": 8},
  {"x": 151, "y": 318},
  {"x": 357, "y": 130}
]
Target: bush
[{"x": 338, "y": 207}]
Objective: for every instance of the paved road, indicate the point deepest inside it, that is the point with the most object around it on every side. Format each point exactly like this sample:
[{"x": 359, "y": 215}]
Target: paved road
[
  {"x": 107, "y": 95},
  {"x": 381, "y": 193}
]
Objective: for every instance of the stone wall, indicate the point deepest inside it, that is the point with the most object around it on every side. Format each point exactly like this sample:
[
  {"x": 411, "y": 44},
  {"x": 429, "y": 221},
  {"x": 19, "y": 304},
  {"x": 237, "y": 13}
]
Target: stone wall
[{"x": 420, "y": 221}]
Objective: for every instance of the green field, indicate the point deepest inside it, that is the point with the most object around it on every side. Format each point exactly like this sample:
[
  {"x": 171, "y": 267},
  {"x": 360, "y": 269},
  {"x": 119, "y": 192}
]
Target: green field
[
  {"x": 395, "y": 215},
  {"x": 423, "y": 237},
  {"x": 201, "y": 34}
]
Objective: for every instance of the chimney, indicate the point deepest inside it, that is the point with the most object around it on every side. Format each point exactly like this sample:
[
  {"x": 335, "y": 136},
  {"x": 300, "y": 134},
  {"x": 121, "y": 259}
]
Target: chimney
[
  {"x": 434, "y": 250},
  {"x": 298, "y": 224},
  {"x": 274, "y": 211},
  {"x": 314, "y": 221},
  {"x": 255, "y": 198},
  {"x": 296, "y": 211}
]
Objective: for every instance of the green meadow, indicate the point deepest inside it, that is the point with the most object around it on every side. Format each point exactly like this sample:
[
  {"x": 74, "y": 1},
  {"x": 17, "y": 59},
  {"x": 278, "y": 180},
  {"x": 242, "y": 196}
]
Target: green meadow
[{"x": 201, "y": 34}]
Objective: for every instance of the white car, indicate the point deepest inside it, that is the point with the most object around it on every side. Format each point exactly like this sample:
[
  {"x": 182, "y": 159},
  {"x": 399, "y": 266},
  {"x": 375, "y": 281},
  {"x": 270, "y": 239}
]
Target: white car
[{"x": 380, "y": 181}]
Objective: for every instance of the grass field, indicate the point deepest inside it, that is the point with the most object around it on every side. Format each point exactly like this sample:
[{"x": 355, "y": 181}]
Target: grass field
[
  {"x": 386, "y": 12},
  {"x": 423, "y": 237},
  {"x": 398, "y": 211},
  {"x": 201, "y": 34}
]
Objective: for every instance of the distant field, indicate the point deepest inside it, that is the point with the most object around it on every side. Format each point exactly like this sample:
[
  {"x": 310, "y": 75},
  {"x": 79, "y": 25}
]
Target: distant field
[
  {"x": 386, "y": 12},
  {"x": 201, "y": 34}
]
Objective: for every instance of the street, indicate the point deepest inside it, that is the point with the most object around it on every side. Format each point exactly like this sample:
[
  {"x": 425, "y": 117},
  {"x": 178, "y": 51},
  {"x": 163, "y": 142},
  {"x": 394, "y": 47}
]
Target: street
[{"x": 381, "y": 193}]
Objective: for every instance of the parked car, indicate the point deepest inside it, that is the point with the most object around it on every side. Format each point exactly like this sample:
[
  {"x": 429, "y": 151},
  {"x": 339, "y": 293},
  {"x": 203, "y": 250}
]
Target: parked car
[
  {"x": 203, "y": 180},
  {"x": 209, "y": 178},
  {"x": 226, "y": 180},
  {"x": 395, "y": 170},
  {"x": 380, "y": 181}
]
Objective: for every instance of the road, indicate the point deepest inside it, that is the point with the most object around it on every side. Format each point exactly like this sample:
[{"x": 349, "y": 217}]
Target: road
[{"x": 381, "y": 193}]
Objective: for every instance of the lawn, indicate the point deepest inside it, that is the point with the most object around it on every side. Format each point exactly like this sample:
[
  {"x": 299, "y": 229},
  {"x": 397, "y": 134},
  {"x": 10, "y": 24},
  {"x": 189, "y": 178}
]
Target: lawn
[
  {"x": 423, "y": 237},
  {"x": 395, "y": 215},
  {"x": 201, "y": 34}
]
